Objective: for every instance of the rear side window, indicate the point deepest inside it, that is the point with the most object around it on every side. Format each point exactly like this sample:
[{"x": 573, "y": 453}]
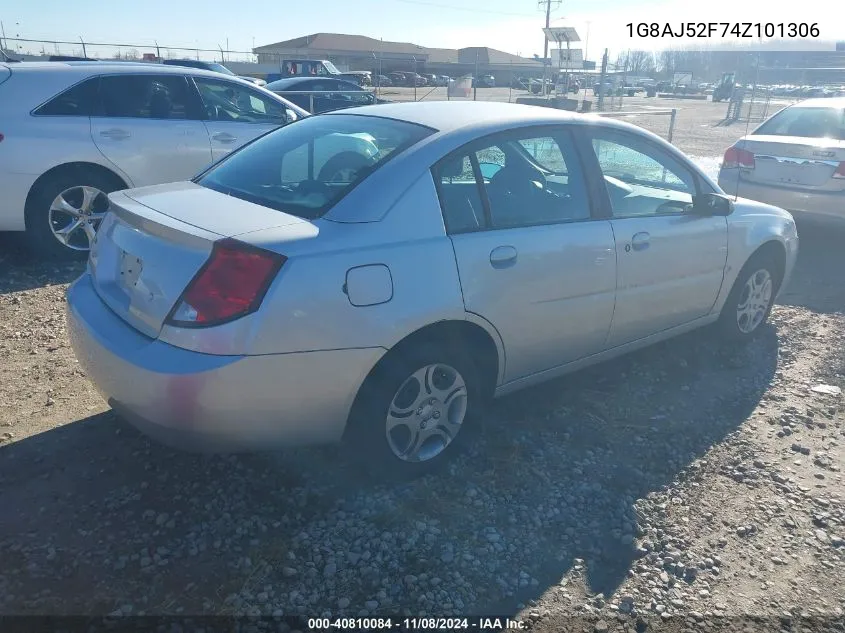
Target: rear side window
[
  {"x": 78, "y": 100},
  {"x": 526, "y": 180},
  {"x": 806, "y": 123},
  {"x": 146, "y": 97},
  {"x": 306, "y": 168}
]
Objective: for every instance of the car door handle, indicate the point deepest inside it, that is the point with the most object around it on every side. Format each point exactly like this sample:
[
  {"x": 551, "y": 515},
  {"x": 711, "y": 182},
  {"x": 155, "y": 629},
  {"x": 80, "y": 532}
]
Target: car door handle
[
  {"x": 640, "y": 241},
  {"x": 503, "y": 256},
  {"x": 224, "y": 137},
  {"x": 115, "y": 133}
]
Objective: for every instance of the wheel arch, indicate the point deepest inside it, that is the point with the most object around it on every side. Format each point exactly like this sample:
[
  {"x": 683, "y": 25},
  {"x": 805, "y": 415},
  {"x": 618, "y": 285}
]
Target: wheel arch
[
  {"x": 76, "y": 167},
  {"x": 482, "y": 345}
]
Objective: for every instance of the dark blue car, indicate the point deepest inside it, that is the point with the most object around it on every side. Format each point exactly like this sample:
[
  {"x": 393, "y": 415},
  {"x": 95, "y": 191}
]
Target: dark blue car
[{"x": 322, "y": 94}]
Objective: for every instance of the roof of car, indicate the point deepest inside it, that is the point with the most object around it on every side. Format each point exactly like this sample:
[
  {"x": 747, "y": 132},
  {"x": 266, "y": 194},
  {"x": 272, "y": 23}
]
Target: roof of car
[
  {"x": 445, "y": 116},
  {"x": 89, "y": 68}
]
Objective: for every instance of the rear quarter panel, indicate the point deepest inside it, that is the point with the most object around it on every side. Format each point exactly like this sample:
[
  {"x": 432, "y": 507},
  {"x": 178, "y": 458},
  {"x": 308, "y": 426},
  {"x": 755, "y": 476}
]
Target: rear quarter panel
[{"x": 307, "y": 308}]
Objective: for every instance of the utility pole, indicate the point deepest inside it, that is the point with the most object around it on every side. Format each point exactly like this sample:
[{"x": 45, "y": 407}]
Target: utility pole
[
  {"x": 3, "y": 31},
  {"x": 587, "y": 43},
  {"x": 601, "y": 80},
  {"x": 548, "y": 8}
]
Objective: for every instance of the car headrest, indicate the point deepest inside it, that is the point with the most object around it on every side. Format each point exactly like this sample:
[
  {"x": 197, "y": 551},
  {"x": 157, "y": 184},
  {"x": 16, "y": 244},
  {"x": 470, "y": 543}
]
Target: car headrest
[{"x": 452, "y": 167}]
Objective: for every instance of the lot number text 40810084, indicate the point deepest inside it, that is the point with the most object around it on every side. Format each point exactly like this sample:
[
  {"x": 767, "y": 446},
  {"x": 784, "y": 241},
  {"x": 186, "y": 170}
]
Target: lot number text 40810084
[{"x": 723, "y": 29}]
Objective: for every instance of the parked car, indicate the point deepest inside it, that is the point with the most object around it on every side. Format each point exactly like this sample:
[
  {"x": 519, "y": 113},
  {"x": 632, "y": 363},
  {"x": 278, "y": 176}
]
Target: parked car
[
  {"x": 398, "y": 78},
  {"x": 383, "y": 81},
  {"x": 360, "y": 77},
  {"x": 76, "y": 131},
  {"x": 795, "y": 160},
  {"x": 484, "y": 81},
  {"x": 431, "y": 79},
  {"x": 265, "y": 303},
  {"x": 308, "y": 68},
  {"x": 315, "y": 94},
  {"x": 212, "y": 66},
  {"x": 443, "y": 80}
]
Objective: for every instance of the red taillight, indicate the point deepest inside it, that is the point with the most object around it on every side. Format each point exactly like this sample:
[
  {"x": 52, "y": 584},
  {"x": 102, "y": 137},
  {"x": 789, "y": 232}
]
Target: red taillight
[
  {"x": 735, "y": 157},
  {"x": 840, "y": 171},
  {"x": 230, "y": 285}
]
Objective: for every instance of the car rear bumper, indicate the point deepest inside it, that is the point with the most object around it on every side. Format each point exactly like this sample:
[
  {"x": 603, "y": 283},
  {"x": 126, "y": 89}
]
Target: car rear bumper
[
  {"x": 800, "y": 201},
  {"x": 205, "y": 402}
]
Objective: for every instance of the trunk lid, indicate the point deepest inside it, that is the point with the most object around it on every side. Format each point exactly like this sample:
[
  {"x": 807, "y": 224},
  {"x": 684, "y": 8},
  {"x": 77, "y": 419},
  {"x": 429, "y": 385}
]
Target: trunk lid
[
  {"x": 144, "y": 257},
  {"x": 797, "y": 162}
]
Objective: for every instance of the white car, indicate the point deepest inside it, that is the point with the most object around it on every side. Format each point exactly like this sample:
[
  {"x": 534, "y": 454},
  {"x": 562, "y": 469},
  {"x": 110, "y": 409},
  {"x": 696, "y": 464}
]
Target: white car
[{"x": 72, "y": 132}]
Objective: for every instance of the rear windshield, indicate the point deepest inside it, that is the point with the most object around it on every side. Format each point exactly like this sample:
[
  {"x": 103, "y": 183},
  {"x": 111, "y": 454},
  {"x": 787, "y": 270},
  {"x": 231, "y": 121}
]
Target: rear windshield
[
  {"x": 306, "y": 167},
  {"x": 807, "y": 123}
]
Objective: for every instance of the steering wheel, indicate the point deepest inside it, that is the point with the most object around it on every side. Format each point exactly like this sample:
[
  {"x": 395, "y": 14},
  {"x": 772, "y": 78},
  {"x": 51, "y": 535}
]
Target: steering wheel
[
  {"x": 310, "y": 187},
  {"x": 518, "y": 181}
]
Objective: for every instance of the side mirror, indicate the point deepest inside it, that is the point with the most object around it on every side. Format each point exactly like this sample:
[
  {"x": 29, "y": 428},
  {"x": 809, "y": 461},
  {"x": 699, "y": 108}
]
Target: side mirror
[{"x": 711, "y": 204}]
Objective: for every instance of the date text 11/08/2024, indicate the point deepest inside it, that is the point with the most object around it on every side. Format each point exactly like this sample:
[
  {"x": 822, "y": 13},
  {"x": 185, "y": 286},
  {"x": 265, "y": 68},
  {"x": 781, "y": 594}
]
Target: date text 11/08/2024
[
  {"x": 739, "y": 30},
  {"x": 416, "y": 624}
]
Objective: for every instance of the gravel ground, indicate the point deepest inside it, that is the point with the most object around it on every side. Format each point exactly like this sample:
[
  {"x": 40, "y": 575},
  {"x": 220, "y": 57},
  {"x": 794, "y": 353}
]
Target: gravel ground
[{"x": 686, "y": 484}]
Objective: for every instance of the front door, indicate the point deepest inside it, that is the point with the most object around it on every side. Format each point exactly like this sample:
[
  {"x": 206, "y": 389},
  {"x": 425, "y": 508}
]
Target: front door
[
  {"x": 148, "y": 126},
  {"x": 236, "y": 114},
  {"x": 670, "y": 264},
  {"x": 531, "y": 260}
]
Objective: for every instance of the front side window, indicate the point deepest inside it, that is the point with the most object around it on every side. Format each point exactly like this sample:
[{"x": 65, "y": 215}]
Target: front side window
[
  {"x": 145, "y": 97},
  {"x": 806, "y": 123},
  {"x": 227, "y": 101},
  {"x": 641, "y": 179},
  {"x": 78, "y": 100},
  {"x": 305, "y": 169}
]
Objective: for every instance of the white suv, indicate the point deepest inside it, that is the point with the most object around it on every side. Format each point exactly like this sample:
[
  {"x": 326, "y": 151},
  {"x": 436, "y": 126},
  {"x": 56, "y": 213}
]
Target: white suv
[{"x": 72, "y": 132}]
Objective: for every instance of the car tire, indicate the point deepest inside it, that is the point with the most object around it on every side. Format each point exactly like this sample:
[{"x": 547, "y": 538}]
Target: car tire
[
  {"x": 411, "y": 383},
  {"x": 85, "y": 189},
  {"x": 751, "y": 299}
]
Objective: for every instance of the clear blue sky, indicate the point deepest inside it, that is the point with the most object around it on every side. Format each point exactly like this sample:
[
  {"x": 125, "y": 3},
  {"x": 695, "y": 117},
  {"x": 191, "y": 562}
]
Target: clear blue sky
[{"x": 510, "y": 25}]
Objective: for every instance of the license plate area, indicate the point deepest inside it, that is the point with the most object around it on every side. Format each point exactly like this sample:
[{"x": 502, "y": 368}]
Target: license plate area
[{"x": 129, "y": 270}]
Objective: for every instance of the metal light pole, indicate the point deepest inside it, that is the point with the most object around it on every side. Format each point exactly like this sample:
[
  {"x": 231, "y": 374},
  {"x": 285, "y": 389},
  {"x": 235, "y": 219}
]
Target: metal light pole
[{"x": 587, "y": 42}]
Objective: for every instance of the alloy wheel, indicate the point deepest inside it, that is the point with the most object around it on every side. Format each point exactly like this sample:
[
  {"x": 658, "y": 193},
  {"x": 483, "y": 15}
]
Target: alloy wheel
[
  {"x": 754, "y": 301},
  {"x": 75, "y": 215}
]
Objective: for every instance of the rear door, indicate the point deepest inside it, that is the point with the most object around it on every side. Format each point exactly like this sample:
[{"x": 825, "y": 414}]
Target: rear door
[
  {"x": 149, "y": 127},
  {"x": 670, "y": 264},
  {"x": 236, "y": 114},
  {"x": 532, "y": 261}
]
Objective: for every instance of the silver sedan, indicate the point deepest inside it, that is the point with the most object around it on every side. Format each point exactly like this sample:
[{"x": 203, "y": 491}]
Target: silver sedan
[
  {"x": 483, "y": 248},
  {"x": 795, "y": 160}
]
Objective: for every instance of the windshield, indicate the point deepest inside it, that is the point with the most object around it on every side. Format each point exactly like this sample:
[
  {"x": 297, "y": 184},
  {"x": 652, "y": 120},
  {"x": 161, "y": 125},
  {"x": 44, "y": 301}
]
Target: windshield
[
  {"x": 220, "y": 68},
  {"x": 306, "y": 168},
  {"x": 807, "y": 123},
  {"x": 331, "y": 68}
]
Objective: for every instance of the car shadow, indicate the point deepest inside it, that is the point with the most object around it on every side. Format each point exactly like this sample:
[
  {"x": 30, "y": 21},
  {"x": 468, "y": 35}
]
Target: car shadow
[
  {"x": 20, "y": 270},
  {"x": 554, "y": 471}
]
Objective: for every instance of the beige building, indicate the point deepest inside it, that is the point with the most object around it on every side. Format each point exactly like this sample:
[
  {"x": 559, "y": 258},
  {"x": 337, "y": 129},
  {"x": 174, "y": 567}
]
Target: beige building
[{"x": 357, "y": 52}]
